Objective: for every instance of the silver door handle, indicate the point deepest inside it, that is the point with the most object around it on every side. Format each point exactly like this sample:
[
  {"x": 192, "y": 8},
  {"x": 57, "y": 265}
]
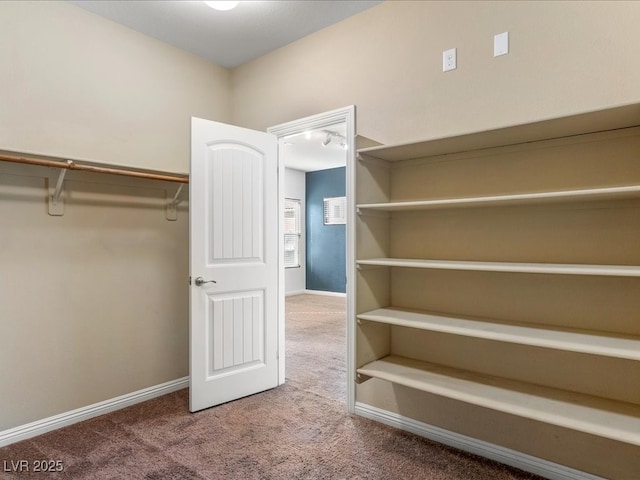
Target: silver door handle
[{"x": 201, "y": 281}]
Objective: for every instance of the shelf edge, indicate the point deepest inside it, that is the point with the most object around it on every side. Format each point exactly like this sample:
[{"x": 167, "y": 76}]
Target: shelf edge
[{"x": 508, "y": 337}]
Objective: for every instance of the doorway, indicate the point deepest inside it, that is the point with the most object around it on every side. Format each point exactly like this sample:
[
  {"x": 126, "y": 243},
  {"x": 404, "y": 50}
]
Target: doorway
[
  {"x": 332, "y": 131},
  {"x": 314, "y": 211}
]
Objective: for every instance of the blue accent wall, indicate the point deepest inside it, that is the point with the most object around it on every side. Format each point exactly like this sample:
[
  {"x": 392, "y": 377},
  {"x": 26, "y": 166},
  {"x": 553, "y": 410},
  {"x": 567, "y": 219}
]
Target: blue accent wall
[{"x": 326, "y": 244}]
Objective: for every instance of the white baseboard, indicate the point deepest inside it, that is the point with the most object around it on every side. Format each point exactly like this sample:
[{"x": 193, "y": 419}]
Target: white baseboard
[
  {"x": 295, "y": 292},
  {"x": 39, "y": 427},
  {"x": 315, "y": 292},
  {"x": 528, "y": 463},
  {"x": 328, "y": 294}
]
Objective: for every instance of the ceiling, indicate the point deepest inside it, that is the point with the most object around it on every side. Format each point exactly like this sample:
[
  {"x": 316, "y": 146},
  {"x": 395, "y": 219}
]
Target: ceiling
[
  {"x": 234, "y": 37},
  {"x": 229, "y": 38},
  {"x": 306, "y": 152}
]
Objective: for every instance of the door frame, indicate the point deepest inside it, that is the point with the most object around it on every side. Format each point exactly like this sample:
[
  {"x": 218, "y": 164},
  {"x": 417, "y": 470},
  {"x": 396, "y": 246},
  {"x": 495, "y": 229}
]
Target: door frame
[{"x": 347, "y": 116}]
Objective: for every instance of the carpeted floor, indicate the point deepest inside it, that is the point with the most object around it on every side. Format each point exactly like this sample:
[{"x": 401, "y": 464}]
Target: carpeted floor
[{"x": 300, "y": 430}]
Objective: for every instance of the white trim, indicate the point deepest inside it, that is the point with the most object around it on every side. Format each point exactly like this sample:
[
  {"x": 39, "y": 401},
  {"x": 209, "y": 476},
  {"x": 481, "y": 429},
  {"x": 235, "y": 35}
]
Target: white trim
[
  {"x": 45, "y": 425},
  {"x": 328, "y": 294},
  {"x": 346, "y": 115},
  {"x": 314, "y": 122},
  {"x": 295, "y": 292},
  {"x": 528, "y": 463},
  {"x": 315, "y": 292}
]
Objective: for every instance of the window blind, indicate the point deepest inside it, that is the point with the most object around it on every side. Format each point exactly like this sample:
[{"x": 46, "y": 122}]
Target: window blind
[{"x": 292, "y": 230}]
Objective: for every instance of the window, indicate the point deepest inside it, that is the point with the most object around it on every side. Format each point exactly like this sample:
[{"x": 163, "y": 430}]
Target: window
[
  {"x": 291, "y": 233},
  {"x": 335, "y": 210}
]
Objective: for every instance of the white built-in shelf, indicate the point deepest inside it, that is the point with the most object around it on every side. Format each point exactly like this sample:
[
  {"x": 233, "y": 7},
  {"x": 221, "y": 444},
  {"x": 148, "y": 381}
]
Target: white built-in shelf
[
  {"x": 604, "y": 120},
  {"x": 543, "y": 268},
  {"x": 593, "y": 194},
  {"x": 582, "y": 341},
  {"x": 612, "y": 419}
]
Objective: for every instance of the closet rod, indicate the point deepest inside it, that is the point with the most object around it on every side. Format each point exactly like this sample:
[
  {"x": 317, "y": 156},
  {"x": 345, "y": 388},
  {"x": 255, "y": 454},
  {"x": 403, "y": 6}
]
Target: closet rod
[{"x": 71, "y": 165}]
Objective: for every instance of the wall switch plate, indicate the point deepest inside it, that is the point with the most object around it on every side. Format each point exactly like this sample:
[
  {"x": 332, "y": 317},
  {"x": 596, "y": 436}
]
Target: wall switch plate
[
  {"x": 501, "y": 44},
  {"x": 449, "y": 60}
]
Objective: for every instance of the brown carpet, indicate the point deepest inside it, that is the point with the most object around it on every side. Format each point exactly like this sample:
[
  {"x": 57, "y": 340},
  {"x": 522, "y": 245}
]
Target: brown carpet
[{"x": 300, "y": 430}]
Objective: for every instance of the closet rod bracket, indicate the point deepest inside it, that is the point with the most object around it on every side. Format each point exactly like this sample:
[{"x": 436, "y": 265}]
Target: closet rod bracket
[
  {"x": 56, "y": 192},
  {"x": 172, "y": 203}
]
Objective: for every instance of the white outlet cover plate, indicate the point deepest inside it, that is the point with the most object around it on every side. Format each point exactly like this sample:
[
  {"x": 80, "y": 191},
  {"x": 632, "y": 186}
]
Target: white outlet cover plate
[
  {"x": 449, "y": 60},
  {"x": 501, "y": 44}
]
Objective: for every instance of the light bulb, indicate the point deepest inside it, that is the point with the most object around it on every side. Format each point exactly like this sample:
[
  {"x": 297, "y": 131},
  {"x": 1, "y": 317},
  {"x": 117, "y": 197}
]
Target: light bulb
[{"x": 223, "y": 4}]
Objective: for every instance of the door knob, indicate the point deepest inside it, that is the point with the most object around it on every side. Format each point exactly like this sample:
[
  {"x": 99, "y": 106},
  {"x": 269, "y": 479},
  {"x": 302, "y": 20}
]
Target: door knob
[{"x": 201, "y": 281}]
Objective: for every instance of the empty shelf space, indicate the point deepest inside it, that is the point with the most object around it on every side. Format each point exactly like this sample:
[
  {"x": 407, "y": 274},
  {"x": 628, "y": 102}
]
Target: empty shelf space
[
  {"x": 509, "y": 267},
  {"x": 597, "y": 416},
  {"x": 593, "y": 194},
  {"x": 582, "y": 341},
  {"x": 572, "y": 126}
]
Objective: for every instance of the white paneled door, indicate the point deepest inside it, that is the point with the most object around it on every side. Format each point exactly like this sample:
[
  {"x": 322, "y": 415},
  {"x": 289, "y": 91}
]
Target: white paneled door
[{"x": 234, "y": 263}]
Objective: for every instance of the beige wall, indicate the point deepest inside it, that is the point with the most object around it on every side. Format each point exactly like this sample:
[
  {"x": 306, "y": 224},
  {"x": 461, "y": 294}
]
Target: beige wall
[
  {"x": 93, "y": 304},
  {"x": 78, "y": 86},
  {"x": 565, "y": 57}
]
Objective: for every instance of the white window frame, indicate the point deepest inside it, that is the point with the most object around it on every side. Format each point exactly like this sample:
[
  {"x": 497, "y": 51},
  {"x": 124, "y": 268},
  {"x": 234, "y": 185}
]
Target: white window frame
[
  {"x": 335, "y": 211},
  {"x": 292, "y": 237}
]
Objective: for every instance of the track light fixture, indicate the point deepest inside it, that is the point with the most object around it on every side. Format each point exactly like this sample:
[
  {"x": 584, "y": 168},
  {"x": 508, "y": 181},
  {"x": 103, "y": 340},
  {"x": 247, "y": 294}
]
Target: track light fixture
[
  {"x": 334, "y": 135},
  {"x": 222, "y": 4}
]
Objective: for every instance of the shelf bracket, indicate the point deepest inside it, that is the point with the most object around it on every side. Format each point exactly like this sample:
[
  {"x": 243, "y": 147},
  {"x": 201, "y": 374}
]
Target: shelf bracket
[
  {"x": 172, "y": 204},
  {"x": 361, "y": 378},
  {"x": 56, "y": 194},
  {"x": 365, "y": 267},
  {"x": 365, "y": 212},
  {"x": 373, "y": 161}
]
